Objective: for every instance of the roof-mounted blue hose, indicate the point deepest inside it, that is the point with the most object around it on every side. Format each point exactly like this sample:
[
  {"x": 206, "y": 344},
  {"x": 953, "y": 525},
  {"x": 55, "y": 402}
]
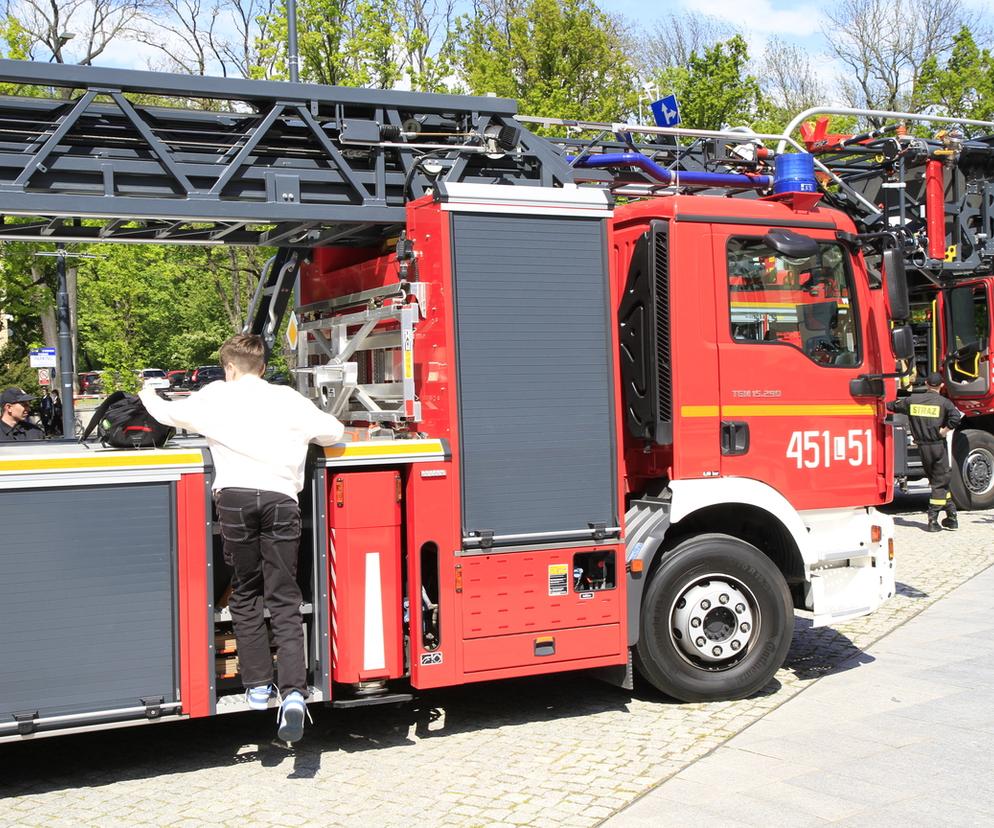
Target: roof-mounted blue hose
[{"x": 665, "y": 176}]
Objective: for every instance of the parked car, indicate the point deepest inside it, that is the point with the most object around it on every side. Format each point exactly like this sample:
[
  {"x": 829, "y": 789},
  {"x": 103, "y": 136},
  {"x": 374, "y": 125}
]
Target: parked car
[
  {"x": 275, "y": 377},
  {"x": 204, "y": 375},
  {"x": 90, "y": 382},
  {"x": 153, "y": 378},
  {"x": 177, "y": 379}
]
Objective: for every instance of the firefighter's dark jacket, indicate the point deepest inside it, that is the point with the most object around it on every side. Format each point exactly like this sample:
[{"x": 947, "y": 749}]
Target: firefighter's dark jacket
[
  {"x": 927, "y": 411},
  {"x": 20, "y": 431}
]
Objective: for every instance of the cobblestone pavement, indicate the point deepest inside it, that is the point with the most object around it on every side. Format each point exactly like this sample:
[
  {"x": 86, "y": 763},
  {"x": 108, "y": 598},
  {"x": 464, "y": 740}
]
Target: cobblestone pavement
[{"x": 540, "y": 752}]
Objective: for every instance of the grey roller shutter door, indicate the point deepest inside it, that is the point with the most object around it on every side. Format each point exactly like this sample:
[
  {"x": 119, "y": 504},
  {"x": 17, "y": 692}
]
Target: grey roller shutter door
[
  {"x": 87, "y": 599},
  {"x": 535, "y": 389}
]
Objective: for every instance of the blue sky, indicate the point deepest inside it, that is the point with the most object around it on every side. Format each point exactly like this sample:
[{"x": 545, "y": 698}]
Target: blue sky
[{"x": 800, "y": 23}]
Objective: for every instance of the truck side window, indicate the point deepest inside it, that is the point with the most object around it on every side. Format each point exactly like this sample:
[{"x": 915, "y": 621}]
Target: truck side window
[{"x": 805, "y": 303}]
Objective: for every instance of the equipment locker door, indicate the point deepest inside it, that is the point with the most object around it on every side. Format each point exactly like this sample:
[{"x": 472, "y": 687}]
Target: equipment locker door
[{"x": 791, "y": 337}]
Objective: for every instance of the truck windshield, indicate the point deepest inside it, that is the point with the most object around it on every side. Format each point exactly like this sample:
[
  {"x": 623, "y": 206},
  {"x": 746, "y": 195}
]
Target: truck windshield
[{"x": 806, "y": 303}]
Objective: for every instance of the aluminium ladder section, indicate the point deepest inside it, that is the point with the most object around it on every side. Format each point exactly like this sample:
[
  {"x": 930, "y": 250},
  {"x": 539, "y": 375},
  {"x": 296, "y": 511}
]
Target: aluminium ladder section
[{"x": 355, "y": 354}]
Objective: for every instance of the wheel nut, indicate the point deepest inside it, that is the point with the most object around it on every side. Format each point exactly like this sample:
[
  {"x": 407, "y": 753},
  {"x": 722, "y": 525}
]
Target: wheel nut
[
  {"x": 695, "y": 622},
  {"x": 735, "y": 645},
  {"x": 716, "y": 651},
  {"x": 744, "y": 626},
  {"x": 705, "y": 604},
  {"x": 740, "y": 608},
  {"x": 700, "y": 641},
  {"x": 722, "y": 599}
]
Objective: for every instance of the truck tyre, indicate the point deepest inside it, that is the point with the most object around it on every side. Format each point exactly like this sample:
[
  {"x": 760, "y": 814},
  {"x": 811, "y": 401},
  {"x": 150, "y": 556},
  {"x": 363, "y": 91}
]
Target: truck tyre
[
  {"x": 972, "y": 480},
  {"x": 716, "y": 621}
]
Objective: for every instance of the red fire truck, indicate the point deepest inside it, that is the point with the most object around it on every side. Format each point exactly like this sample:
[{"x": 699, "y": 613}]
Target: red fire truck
[{"x": 595, "y": 418}]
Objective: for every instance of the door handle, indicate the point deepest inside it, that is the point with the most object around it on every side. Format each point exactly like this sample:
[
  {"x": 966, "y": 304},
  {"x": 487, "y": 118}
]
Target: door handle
[{"x": 734, "y": 438}]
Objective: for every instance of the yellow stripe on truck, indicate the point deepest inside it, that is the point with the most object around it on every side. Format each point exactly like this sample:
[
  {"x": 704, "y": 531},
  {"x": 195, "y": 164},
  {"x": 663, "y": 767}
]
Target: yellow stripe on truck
[
  {"x": 785, "y": 410},
  {"x": 102, "y": 461},
  {"x": 388, "y": 450}
]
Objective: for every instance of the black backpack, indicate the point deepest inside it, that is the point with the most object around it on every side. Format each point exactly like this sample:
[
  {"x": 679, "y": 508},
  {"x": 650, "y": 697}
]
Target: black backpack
[{"x": 121, "y": 421}]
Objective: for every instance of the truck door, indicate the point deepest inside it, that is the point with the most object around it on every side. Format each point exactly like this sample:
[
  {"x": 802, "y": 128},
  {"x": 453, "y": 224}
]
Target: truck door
[
  {"x": 792, "y": 335},
  {"x": 966, "y": 366}
]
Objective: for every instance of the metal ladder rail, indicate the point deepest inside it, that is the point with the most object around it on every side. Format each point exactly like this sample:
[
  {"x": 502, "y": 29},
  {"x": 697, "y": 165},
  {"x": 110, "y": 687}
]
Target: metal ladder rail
[{"x": 280, "y": 164}]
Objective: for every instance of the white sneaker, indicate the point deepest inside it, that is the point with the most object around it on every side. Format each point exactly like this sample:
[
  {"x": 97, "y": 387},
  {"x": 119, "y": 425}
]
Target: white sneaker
[
  {"x": 290, "y": 721},
  {"x": 258, "y": 697}
]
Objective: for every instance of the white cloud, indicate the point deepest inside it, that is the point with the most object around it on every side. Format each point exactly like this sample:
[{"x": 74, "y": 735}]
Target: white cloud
[{"x": 762, "y": 17}]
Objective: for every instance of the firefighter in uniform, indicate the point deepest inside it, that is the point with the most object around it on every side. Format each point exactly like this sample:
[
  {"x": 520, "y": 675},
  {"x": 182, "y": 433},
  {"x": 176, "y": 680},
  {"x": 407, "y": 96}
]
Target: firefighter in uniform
[
  {"x": 931, "y": 417},
  {"x": 15, "y": 407}
]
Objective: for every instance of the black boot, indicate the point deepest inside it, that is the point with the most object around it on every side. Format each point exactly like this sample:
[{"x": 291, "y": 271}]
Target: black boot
[
  {"x": 933, "y": 521},
  {"x": 951, "y": 521}
]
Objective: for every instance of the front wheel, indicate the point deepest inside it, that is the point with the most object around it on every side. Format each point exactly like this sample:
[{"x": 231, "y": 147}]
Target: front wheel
[
  {"x": 716, "y": 621},
  {"x": 972, "y": 480}
]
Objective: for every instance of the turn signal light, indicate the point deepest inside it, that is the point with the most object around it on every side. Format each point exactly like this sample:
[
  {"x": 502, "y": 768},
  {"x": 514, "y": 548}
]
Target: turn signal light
[
  {"x": 875, "y": 534},
  {"x": 635, "y": 565},
  {"x": 890, "y": 549}
]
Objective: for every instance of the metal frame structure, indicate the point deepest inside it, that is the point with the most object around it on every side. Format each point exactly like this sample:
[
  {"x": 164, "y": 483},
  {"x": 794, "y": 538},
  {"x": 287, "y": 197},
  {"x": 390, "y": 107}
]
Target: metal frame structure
[
  {"x": 334, "y": 331},
  {"x": 151, "y": 157}
]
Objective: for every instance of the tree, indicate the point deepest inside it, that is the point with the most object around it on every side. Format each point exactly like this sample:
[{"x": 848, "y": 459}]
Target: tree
[
  {"x": 426, "y": 34},
  {"x": 884, "y": 44},
  {"x": 211, "y": 37},
  {"x": 715, "y": 88},
  {"x": 964, "y": 86},
  {"x": 674, "y": 38},
  {"x": 558, "y": 58},
  {"x": 73, "y": 31},
  {"x": 341, "y": 43}
]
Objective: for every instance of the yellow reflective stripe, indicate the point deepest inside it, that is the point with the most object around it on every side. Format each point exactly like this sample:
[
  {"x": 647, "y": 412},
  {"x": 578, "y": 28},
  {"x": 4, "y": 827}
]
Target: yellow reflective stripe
[
  {"x": 102, "y": 461},
  {"x": 774, "y": 410},
  {"x": 786, "y": 410},
  {"x": 938, "y": 501},
  {"x": 391, "y": 449},
  {"x": 699, "y": 410}
]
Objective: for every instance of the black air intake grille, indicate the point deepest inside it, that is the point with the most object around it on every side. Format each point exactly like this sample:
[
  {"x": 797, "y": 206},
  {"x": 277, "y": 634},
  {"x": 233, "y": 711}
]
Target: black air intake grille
[{"x": 661, "y": 274}]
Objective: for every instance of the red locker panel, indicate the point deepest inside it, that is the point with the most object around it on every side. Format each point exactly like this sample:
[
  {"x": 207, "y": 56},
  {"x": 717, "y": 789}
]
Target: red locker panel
[
  {"x": 518, "y": 592},
  {"x": 364, "y": 518},
  {"x": 579, "y": 645}
]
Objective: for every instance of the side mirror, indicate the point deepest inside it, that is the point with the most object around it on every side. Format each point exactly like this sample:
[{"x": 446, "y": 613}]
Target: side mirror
[
  {"x": 790, "y": 244},
  {"x": 897, "y": 286},
  {"x": 903, "y": 342}
]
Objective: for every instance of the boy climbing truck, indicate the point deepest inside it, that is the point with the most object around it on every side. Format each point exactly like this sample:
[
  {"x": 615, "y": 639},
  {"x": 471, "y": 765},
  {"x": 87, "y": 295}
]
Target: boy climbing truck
[{"x": 599, "y": 413}]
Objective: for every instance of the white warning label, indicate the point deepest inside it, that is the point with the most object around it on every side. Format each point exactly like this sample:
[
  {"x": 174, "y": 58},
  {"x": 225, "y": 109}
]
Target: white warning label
[{"x": 558, "y": 581}]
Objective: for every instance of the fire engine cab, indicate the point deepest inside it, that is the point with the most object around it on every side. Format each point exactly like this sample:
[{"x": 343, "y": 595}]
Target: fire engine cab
[{"x": 596, "y": 420}]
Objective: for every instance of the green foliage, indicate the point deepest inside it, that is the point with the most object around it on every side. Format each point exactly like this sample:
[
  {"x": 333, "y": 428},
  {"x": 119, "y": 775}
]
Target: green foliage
[
  {"x": 148, "y": 306},
  {"x": 714, "y": 88},
  {"x": 964, "y": 85},
  {"x": 558, "y": 58},
  {"x": 341, "y": 43}
]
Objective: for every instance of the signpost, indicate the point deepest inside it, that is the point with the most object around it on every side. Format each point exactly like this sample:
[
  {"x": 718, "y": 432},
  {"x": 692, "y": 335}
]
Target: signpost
[
  {"x": 42, "y": 358},
  {"x": 666, "y": 111}
]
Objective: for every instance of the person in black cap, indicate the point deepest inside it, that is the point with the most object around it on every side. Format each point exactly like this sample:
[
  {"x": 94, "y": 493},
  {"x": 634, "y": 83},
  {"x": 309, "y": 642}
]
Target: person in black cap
[
  {"x": 932, "y": 416},
  {"x": 14, "y": 423}
]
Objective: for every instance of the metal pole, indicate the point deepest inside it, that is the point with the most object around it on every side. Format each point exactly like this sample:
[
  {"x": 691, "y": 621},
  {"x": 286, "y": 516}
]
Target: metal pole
[
  {"x": 291, "y": 24},
  {"x": 65, "y": 344}
]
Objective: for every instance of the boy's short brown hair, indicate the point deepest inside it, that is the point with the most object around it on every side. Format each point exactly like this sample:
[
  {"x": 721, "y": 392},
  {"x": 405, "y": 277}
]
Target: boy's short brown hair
[{"x": 246, "y": 352}]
